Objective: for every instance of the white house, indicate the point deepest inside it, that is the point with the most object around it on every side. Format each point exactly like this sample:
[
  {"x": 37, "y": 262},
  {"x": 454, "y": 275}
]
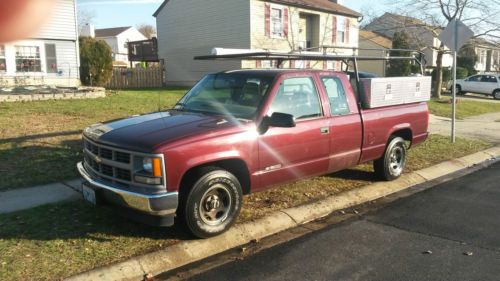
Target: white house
[
  {"x": 116, "y": 38},
  {"x": 187, "y": 28},
  {"x": 423, "y": 35},
  {"x": 488, "y": 55},
  {"x": 50, "y": 57}
]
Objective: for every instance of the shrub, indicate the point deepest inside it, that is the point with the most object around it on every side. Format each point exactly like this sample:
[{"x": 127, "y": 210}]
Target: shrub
[{"x": 96, "y": 63}]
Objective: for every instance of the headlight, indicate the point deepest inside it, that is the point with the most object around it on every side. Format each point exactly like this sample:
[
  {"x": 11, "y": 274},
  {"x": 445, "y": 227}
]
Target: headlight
[{"x": 151, "y": 171}]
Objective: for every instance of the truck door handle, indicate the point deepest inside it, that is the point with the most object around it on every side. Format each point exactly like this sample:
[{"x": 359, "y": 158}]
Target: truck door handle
[{"x": 325, "y": 130}]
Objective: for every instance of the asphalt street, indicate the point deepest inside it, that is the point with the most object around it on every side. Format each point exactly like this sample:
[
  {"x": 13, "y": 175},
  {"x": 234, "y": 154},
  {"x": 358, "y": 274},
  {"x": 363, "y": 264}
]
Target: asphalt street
[{"x": 449, "y": 232}]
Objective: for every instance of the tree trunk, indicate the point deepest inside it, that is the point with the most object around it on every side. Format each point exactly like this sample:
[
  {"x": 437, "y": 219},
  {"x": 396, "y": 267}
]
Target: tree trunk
[{"x": 439, "y": 74}]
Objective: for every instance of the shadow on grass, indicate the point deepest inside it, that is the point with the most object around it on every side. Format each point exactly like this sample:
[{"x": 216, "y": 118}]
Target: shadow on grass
[
  {"x": 30, "y": 160},
  {"x": 79, "y": 220}
]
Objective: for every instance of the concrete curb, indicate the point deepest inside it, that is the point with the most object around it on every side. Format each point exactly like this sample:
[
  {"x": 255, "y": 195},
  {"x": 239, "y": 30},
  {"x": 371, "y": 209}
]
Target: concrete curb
[{"x": 188, "y": 252}]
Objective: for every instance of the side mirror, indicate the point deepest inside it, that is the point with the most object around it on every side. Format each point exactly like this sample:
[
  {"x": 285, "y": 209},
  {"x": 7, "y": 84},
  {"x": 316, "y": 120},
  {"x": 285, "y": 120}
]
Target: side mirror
[{"x": 279, "y": 120}]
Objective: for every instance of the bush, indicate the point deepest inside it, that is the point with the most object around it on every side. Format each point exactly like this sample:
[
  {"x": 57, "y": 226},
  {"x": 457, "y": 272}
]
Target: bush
[
  {"x": 462, "y": 72},
  {"x": 399, "y": 67},
  {"x": 96, "y": 63}
]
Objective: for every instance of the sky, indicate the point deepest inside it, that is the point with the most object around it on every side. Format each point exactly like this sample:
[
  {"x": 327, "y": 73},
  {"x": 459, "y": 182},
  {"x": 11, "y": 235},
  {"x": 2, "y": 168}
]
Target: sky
[{"x": 115, "y": 13}]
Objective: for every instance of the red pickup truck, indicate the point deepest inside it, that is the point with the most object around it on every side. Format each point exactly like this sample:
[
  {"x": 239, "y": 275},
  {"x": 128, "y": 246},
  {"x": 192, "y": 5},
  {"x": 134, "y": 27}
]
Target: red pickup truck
[{"x": 238, "y": 132}]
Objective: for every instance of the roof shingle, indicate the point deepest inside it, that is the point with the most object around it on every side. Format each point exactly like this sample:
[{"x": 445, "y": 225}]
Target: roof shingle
[{"x": 110, "y": 32}]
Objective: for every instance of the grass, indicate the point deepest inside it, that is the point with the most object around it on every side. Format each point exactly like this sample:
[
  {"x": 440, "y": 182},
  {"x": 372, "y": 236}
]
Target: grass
[
  {"x": 465, "y": 108},
  {"x": 42, "y": 139},
  {"x": 56, "y": 241}
]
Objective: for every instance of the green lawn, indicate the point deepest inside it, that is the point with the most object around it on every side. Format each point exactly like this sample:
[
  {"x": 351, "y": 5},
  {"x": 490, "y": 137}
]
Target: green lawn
[
  {"x": 55, "y": 241},
  {"x": 40, "y": 141},
  {"x": 465, "y": 108}
]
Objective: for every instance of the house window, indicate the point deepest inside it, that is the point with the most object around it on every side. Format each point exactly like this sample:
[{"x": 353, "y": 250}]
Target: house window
[
  {"x": 51, "y": 58},
  {"x": 28, "y": 59},
  {"x": 276, "y": 22},
  {"x": 3, "y": 61},
  {"x": 340, "y": 30}
]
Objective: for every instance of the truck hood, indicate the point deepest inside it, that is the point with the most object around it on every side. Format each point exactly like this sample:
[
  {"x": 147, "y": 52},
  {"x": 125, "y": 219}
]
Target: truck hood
[{"x": 144, "y": 133}]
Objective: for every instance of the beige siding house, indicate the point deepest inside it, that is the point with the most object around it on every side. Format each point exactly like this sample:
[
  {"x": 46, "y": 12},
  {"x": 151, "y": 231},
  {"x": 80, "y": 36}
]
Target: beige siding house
[
  {"x": 187, "y": 28},
  {"x": 373, "y": 45},
  {"x": 50, "y": 57}
]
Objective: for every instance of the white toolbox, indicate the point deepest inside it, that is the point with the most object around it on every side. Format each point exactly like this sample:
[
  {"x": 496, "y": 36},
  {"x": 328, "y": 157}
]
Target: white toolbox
[{"x": 380, "y": 92}]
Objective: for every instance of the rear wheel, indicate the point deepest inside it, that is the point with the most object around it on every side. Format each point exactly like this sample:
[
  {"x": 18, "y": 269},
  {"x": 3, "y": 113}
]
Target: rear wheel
[
  {"x": 496, "y": 94},
  {"x": 459, "y": 90},
  {"x": 212, "y": 204},
  {"x": 391, "y": 165}
]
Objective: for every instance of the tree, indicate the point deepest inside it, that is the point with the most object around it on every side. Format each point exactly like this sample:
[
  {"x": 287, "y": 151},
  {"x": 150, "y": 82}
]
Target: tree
[
  {"x": 147, "y": 30},
  {"x": 96, "y": 63},
  {"x": 480, "y": 15},
  {"x": 399, "y": 67},
  {"x": 84, "y": 17},
  {"x": 467, "y": 58}
]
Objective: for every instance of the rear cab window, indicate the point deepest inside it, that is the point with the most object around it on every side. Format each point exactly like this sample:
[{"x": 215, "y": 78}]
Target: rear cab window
[{"x": 336, "y": 95}]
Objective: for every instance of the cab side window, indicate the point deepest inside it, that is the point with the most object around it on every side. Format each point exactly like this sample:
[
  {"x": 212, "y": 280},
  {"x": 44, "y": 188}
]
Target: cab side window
[
  {"x": 336, "y": 96},
  {"x": 298, "y": 97}
]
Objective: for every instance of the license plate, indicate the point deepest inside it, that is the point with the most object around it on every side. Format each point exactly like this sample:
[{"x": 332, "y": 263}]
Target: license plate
[{"x": 89, "y": 194}]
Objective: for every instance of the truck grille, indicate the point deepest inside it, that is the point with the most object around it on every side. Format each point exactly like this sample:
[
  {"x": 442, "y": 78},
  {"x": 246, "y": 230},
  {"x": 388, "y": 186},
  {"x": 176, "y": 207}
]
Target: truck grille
[{"x": 107, "y": 163}]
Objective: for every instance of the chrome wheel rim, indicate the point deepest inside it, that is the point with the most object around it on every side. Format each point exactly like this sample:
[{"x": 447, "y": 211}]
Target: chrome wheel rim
[
  {"x": 215, "y": 205},
  {"x": 397, "y": 160}
]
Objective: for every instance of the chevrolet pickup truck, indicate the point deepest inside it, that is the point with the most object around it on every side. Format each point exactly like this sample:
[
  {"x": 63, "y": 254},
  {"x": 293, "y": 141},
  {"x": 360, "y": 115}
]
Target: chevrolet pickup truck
[{"x": 238, "y": 132}]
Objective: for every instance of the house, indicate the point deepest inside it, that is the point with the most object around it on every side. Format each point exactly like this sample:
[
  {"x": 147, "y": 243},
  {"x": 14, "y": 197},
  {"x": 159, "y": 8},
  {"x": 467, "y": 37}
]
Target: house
[
  {"x": 488, "y": 55},
  {"x": 373, "y": 45},
  {"x": 187, "y": 28},
  {"x": 50, "y": 57},
  {"x": 423, "y": 36},
  {"x": 117, "y": 39}
]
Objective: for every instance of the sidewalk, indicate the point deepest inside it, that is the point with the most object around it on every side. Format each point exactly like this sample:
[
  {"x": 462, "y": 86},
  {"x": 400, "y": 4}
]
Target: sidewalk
[
  {"x": 482, "y": 127},
  {"x": 26, "y": 198}
]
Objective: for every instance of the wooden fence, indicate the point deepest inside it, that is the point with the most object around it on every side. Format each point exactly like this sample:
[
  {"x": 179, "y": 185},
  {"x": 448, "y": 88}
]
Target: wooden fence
[{"x": 133, "y": 78}]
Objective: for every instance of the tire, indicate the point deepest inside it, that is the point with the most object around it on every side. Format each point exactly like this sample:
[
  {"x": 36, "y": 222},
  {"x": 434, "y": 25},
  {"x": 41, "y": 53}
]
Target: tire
[
  {"x": 391, "y": 165},
  {"x": 459, "y": 91},
  {"x": 212, "y": 204},
  {"x": 496, "y": 94}
]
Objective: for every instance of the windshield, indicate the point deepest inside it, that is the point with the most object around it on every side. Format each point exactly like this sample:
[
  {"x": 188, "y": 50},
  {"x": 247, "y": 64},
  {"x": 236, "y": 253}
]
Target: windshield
[{"x": 235, "y": 95}]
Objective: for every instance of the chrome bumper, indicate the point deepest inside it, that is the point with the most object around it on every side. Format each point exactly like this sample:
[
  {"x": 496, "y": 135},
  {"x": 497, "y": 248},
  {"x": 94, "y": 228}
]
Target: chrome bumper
[{"x": 158, "y": 205}]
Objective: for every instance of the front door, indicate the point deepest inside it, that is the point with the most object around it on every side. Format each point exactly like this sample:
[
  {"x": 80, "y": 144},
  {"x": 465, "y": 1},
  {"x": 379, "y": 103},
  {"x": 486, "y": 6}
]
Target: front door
[{"x": 287, "y": 154}]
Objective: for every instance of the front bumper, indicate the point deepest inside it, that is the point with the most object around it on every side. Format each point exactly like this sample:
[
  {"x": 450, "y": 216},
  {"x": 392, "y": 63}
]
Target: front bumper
[{"x": 164, "y": 204}]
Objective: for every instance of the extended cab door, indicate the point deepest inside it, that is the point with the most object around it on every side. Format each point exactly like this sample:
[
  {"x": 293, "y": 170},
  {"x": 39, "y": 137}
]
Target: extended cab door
[
  {"x": 286, "y": 154},
  {"x": 345, "y": 123}
]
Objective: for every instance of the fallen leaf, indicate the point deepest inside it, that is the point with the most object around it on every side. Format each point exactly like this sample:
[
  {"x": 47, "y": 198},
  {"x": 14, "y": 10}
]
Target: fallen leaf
[{"x": 468, "y": 253}]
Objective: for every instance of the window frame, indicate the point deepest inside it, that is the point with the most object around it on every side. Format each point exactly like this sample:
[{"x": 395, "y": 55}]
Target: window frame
[
  {"x": 341, "y": 29},
  {"x": 49, "y": 70},
  {"x": 315, "y": 87},
  {"x": 272, "y": 34},
  {"x": 39, "y": 69},
  {"x": 3, "y": 57}
]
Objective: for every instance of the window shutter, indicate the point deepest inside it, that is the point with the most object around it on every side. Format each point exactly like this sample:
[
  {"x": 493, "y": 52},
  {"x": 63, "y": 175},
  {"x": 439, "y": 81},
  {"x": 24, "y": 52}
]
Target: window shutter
[
  {"x": 292, "y": 64},
  {"x": 285, "y": 22},
  {"x": 258, "y": 64},
  {"x": 347, "y": 26},
  {"x": 267, "y": 17},
  {"x": 325, "y": 65},
  {"x": 308, "y": 64},
  {"x": 334, "y": 30}
]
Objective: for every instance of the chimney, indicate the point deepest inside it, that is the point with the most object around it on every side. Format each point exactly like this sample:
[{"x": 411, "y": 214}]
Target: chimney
[
  {"x": 340, "y": 2},
  {"x": 88, "y": 30}
]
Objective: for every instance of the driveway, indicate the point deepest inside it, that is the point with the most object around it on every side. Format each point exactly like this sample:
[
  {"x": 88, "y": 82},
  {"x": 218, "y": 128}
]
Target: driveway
[
  {"x": 483, "y": 127},
  {"x": 449, "y": 232}
]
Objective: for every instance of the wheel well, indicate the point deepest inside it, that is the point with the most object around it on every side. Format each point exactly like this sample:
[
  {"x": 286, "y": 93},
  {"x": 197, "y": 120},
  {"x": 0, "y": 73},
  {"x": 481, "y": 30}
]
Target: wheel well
[
  {"x": 405, "y": 134},
  {"x": 237, "y": 167}
]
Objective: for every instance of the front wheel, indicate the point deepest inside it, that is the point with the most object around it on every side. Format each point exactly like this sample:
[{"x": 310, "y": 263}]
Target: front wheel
[
  {"x": 391, "y": 165},
  {"x": 213, "y": 204},
  {"x": 496, "y": 94}
]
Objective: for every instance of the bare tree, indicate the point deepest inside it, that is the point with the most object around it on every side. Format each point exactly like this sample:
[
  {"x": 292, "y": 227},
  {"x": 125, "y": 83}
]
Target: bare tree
[
  {"x": 480, "y": 15},
  {"x": 147, "y": 30},
  {"x": 84, "y": 17}
]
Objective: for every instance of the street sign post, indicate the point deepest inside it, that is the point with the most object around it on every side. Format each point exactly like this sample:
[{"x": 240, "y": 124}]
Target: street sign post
[{"x": 454, "y": 36}]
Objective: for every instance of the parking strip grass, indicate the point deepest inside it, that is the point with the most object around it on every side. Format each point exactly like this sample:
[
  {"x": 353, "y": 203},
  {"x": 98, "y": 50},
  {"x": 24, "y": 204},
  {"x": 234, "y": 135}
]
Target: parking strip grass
[
  {"x": 465, "y": 108},
  {"x": 55, "y": 241}
]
